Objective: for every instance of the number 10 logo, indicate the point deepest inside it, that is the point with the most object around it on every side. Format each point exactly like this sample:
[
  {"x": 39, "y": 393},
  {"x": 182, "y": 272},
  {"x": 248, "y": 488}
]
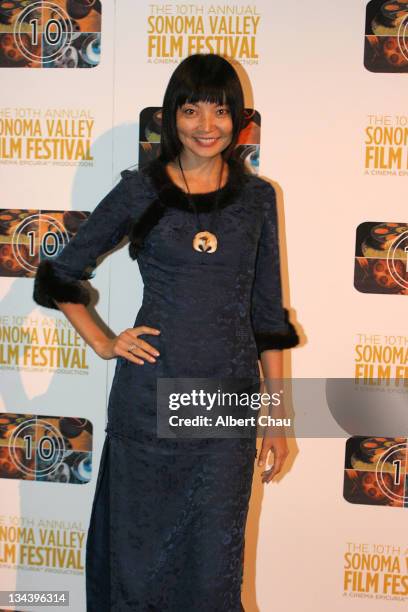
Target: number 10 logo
[{"x": 42, "y": 34}]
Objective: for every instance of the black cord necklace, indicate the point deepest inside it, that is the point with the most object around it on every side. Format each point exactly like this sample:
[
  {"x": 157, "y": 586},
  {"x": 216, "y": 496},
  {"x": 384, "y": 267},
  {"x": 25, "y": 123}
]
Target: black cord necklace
[{"x": 204, "y": 240}]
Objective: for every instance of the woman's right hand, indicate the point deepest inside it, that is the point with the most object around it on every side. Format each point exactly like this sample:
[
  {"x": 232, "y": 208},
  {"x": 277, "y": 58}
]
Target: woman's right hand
[{"x": 128, "y": 345}]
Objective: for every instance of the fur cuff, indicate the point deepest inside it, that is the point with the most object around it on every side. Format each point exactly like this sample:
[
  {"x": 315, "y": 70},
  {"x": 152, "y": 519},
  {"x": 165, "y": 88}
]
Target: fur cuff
[
  {"x": 278, "y": 340},
  {"x": 48, "y": 286}
]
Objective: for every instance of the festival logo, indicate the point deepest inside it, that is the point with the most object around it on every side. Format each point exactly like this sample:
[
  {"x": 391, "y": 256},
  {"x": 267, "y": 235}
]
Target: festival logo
[
  {"x": 47, "y": 136},
  {"x": 376, "y": 471},
  {"x": 45, "y": 448},
  {"x": 150, "y": 130},
  {"x": 386, "y": 36},
  {"x": 386, "y": 145},
  {"x": 57, "y": 34},
  {"x": 29, "y": 236},
  {"x": 175, "y": 31},
  {"x": 381, "y": 258}
]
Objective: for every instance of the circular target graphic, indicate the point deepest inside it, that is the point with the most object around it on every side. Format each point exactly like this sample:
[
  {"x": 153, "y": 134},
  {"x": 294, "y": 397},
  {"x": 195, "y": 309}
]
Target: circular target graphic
[
  {"x": 396, "y": 455},
  {"x": 394, "y": 263},
  {"x": 50, "y": 447},
  {"x": 402, "y": 37},
  {"x": 54, "y": 34},
  {"x": 25, "y": 240}
]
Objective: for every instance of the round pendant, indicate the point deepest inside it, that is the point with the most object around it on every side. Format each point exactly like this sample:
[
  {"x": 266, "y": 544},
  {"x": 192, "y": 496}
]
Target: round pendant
[{"x": 205, "y": 242}]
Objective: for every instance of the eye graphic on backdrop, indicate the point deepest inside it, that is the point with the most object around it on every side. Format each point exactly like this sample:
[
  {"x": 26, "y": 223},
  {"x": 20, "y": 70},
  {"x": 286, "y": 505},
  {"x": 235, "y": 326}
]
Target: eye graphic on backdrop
[
  {"x": 386, "y": 36},
  {"x": 42, "y": 34}
]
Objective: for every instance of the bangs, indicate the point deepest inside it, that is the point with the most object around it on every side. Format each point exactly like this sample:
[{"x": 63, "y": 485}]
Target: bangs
[
  {"x": 202, "y": 82},
  {"x": 203, "y": 93}
]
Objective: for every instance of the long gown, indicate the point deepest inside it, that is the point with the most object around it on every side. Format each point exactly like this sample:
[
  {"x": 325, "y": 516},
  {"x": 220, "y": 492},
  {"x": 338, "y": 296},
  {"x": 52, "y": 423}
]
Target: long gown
[{"x": 168, "y": 517}]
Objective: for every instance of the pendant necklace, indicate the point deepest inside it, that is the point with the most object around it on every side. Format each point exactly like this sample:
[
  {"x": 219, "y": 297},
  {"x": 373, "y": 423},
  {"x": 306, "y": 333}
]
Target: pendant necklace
[{"x": 204, "y": 240}]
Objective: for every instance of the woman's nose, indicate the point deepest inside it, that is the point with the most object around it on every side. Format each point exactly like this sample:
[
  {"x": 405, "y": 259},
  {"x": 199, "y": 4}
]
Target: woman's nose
[{"x": 207, "y": 121}]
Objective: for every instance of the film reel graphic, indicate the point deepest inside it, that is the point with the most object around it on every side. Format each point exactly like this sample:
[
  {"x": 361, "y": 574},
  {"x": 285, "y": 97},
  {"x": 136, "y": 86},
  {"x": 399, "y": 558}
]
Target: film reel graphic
[
  {"x": 56, "y": 32},
  {"x": 396, "y": 456},
  {"x": 400, "y": 243},
  {"x": 402, "y": 37},
  {"x": 50, "y": 447},
  {"x": 28, "y": 246}
]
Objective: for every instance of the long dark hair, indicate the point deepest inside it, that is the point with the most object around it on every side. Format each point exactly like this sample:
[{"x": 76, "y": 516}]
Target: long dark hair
[{"x": 200, "y": 78}]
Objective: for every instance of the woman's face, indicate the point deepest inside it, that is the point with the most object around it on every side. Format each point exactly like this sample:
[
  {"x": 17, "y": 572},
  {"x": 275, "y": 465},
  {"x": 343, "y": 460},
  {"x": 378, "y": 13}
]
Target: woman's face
[{"x": 204, "y": 128}]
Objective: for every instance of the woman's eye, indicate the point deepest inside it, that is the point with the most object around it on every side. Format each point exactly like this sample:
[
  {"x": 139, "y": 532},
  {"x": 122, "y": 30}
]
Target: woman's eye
[
  {"x": 223, "y": 111},
  {"x": 188, "y": 111}
]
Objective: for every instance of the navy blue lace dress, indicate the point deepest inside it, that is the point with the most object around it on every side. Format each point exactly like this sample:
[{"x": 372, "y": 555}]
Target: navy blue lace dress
[{"x": 168, "y": 518}]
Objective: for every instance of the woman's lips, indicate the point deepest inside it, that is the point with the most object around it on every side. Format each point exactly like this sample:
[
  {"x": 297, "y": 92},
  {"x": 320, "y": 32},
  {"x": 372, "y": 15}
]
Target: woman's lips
[{"x": 206, "y": 142}]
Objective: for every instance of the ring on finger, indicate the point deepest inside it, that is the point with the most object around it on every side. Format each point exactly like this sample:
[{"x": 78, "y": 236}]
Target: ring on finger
[{"x": 132, "y": 347}]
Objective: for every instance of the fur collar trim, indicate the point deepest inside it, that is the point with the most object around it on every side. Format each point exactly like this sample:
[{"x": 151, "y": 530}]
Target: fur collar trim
[
  {"x": 171, "y": 195},
  {"x": 165, "y": 194}
]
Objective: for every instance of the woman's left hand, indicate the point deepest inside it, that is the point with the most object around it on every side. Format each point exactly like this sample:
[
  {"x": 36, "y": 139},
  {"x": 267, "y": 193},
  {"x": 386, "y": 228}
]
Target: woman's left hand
[{"x": 279, "y": 447}]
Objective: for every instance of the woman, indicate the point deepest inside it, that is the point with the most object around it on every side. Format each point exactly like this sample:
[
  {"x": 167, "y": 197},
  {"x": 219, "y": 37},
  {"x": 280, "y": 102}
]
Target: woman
[{"x": 168, "y": 517}]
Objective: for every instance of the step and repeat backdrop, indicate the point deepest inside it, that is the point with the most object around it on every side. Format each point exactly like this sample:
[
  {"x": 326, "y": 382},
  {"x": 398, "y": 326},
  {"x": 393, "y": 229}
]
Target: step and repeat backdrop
[{"x": 326, "y": 121}]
